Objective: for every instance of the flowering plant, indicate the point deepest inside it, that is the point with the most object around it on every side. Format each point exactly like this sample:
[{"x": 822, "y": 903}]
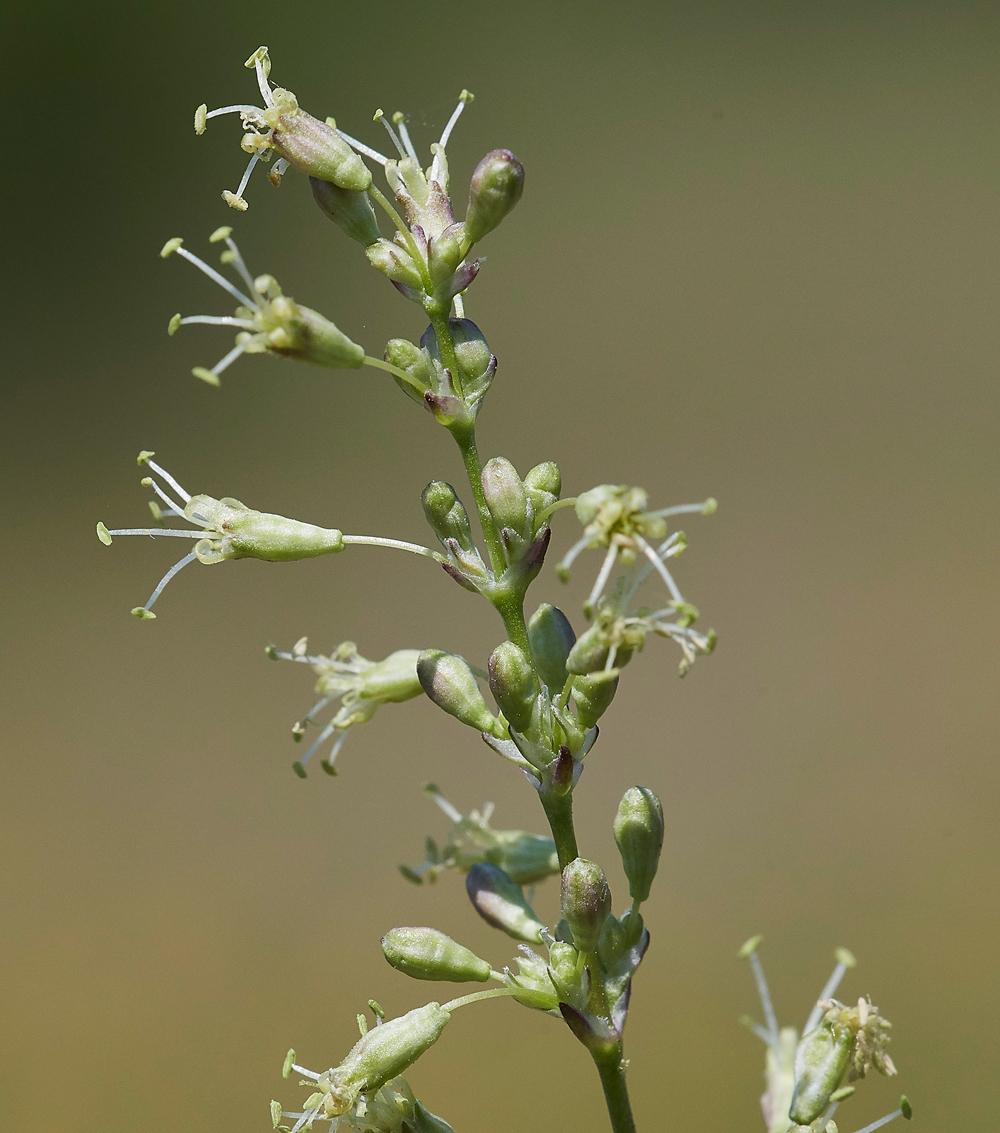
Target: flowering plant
[{"x": 550, "y": 686}]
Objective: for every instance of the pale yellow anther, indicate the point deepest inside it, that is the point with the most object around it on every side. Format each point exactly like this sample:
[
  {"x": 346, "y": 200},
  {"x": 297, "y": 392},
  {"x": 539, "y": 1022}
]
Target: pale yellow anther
[
  {"x": 300, "y": 647},
  {"x": 144, "y": 456},
  {"x": 233, "y": 201},
  {"x": 171, "y": 246},
  {"x": 227, "y": 257},
  {"x": 223, "y": 232},
  {"x": 174, "y": 323},
  {"x": 398, "y": 117},
  {"x": 103, "y": 535},
  {"x": 265, "y": 61},
  {"x": 710, "y": 506},
  {"x": 332, "y": 123},
  {"x": 206, "y": 376},
  {"x": 146, "y": 481},
  {"x": 466, "y": 96},
  {"x": 142, "y": 613},
  {"x": 377, "y": 115},
  {"x": 201, "y": 118}
]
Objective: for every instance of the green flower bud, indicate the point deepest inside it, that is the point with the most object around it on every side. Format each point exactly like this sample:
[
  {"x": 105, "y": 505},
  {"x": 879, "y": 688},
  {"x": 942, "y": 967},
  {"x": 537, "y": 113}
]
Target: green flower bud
[
  {"x": 512, "y": 682},
  {"x": 349, "y": 209},
  {"x": 501, "y": 903},
  {"x": 506, "y": 497},
  {"x": 239, "y": 532},
  {"x": 543, "y": 484},
  {"x": 639, "y": 834},
  {"x": 551, "y": 638},
  {"x": 821, "y": 1060},
  {"x": 446, "y": 514},
  {"x": 497, "y": 184},
  {"x": 586, "y": 902},
  {"x": 383, "y": 1053},
  {"x": 311, "y": 146},
  {"x": 592, "y": 696},
  {"x": 302, "y": 333},
  {"x": 450, "y": 683},
  {"x": 426, "y": 954},
  {"x": 415, "y": 361},
  {"x": 476, "y": 364},
  {"x": 395, "y": 263}
]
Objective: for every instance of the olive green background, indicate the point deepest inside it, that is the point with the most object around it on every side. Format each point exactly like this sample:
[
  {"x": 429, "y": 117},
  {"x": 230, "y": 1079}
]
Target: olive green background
[{"x": 756, "y": 258}]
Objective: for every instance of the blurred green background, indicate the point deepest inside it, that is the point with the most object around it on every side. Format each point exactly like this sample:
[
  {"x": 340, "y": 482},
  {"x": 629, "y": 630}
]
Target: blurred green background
[{"x": 756, "y": 258}]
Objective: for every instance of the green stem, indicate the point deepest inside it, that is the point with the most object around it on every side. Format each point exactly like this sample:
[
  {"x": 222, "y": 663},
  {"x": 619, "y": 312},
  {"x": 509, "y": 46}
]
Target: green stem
[
  {"x": 476, "y": 996},
  {"x": 609, "y": 1066},
  {"x": 465, "y": 438},
  {"x": 559, "y": 811},
  {"x": 446, "y": 344}
]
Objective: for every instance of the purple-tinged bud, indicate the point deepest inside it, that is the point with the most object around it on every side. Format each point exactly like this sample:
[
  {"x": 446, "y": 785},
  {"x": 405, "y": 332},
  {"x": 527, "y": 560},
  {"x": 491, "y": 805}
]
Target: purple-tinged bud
[
  {"x": 349, "y": 209},
  {"x": 551, "y": 638},
  {"x": 586, "y": 902},
  {"x": 506, "y": 497},
  {"x": 446, "y": 514},
  {"x": 396, "y": 264},
  {"x": 497, "y": 184},
  {"x": 314, "y": 147},
  {"x": 512, "y": 682},
  {"x": 501, "y": 903},
  {"x": 426, "y": 954},
  {"x": 639, "y": 835}
]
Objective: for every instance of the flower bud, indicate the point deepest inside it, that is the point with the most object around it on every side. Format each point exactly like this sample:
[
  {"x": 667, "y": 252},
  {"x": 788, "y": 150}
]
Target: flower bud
[
  {"x": 244, "y": 533},
  {"x": 506, "y": 497},
  {"x": 395, "y": 263},
  {"x": 497, "y": 184},
  {"x": 512, "y": 682},
  {"x": 639, "y": 834},
  {"x": 476, "y": 364},
  {"x": 551, "y": 638},
  {"x": 305, "y": 334},
  {"x": 426, "y": 954},
  {"x": 403, "y": 354},
  {"x": 543, "y": 484},
  {"x": 349, "y": 209},
  {"x": 501, "y": 903},
  {"x": 586, "y": 902},
  {"x": 384, "y": 1052},
  {"x": 821, "y": 1059},
  {"x": 592, "y": 696},
  {"x": 446, "y": 514},
  {"x": 314, "y": 147},
  {"x": 450, "y": 683}
]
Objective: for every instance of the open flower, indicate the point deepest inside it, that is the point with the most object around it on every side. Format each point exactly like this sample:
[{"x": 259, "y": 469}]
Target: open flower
[
  {"x": 298, "y": 139},
  {"x": 225, "y": 529},
  {"x": 268, "y": 320},
  {"x": 362, "y": 686}
]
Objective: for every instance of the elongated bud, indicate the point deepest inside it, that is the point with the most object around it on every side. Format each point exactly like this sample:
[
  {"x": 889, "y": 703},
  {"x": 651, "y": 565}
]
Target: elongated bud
[
  {"x": 246, "y": 533},
  {"x": 450, "y": 683},
  {"x": 592, "y": 697},
  {"x": 821, "y": 1059},
  {"x": 308, "y": 336},
  {"x": 314, "y": 147},
  {"x": 384, "y": 1052},
  {"x": 426, "y": 954},
  {"x": 586, "y": 902},
  {"x": 512, "y": 682},
  {"x": 501, "y": 903},
  {"x": 446, "y": 514},
  {"x": 639, "y": 834},
  {"x": 497, "y": 184},
  {"x": 543, "y": 484},
  {"x": 551, "y": 638},
  {"x": 506, "y": 497},
  {"x": 349, "y": 209}
]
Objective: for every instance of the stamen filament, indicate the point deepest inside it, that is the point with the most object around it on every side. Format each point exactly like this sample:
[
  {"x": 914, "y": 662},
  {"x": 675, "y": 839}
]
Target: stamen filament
[
  {"x": 375, "y": 541},
  {"x": 455, "y": 115},
  {"x": 238, "y": 261},
  {"x": 238, "y": 108},
  {"x": 392, "y": 134},
  {"x": 180, "y": 565},
  {"x": 678, "y": 509},
  {"x": 219, "y": 279},
  {"x": 317, "y": 707},
  {"x": 451, "y": 811},
  {"x": 262, "y": 83},
  {"x": 650, "y": 554},
  {"x": 163, "y": 495},
  {"x": 606, "y": 568},
  {"x": 882, "y": 1121},
  {"x": 306, "y": 1073},
  {"x": 765, "y": 999},
  {"x": 323, "y": 737},
  {"x": 165, "y": 475},
  {"x": 217, "y": 321},
  {"x": 246, "y": 174},
  {"x": 230, "y": 358},
  {"x": 571, "y": 555},
  {"x": 405, "y": 135},
  {"x": 828, "y": 989},
  {"x": 546, "y": 512},
  {"x": 362, "y": 148},
  {"x": 176, "y": 532}
]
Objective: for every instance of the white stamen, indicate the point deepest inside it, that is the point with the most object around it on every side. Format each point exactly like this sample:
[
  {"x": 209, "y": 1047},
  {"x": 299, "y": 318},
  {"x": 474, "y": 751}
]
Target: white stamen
[
  {"x": 829, "y": 988},
  {"x": 761, "y": 1032},
  {"x": 317, "y": 707},
  {"x": 189, "y": 558},
  {"x": 606, "y": 568},
  {"x": 574, "y": 551},
  {"x": 305, "y": 1073},
  {"x": 214, "y": 275},
  {"x": 165, "y": 475},
  {"x": 309, "y": 1115},
  {"x": 158, "y": 531},
  {"x": 456, "y": 114},
  {"x": 217, "y": 321},
  {"x": 265, "y": 86},
  {"x": 663, "y": 551},
  {"x": 679, "y": 509},
  {"x": 882, "y": 1121},
  {"x": 451, "y": 811},
  {"x": 405, "y": 135},
  {"x": 230, "y": 358},
  {"x": 239, "y": 108},
  {"x": 323, "y": 737},
  {"x": 162, "y": 494},
  {"x": 612, "y": 656},
  {"x": 650, "y": 554},
  {"x": 338, "y": 743},
  {"x": 459, "y": 305},
  {"x": 246, "y": 174},
  {"x": 765, "y": 998},
  {"x": 280, "y": 166},
  {"x": 392, "y": 134},
  {"x": 362, "y": 148},
  {"x": 238, "y": 260}
]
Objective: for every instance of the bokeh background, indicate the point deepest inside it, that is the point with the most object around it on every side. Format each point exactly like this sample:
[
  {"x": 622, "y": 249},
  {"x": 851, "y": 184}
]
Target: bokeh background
[{"x": 756, "y": 258}]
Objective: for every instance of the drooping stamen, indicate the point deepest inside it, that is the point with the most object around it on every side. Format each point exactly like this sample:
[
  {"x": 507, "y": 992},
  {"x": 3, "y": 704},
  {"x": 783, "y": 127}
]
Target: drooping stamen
[
  {"x": 165, "y": 475},
  {"x": 238, "y": 108},
  {"x": 765, "y": 998},
  {"x": 380, "y": 117},
  {"x": 405, "y": 135},
  {"x": 229, "y": 359},
  {"x": 362, "y": 148},
  {"x": 217, "y": 321},
  {"x": 606, "y": 568},
  {"x": 451, "y": 811},
  {"x": 882, "y": 1121},
  {"x": 246, "y": 174},
  {"x": 828, "y": 989},
  {"x": 650, "y": 554},
  {"x": 331, "y": 759},
  {"x": 180, "y": 565},
  {"x": 679, "y": 509},
  {"x": 663, "y": 551},
  {"x": 317, "y": 707},
  {"x": 216, "y": 278},
  {"x": 571, "y": 555},
  {"x": 323, "y": 737},
  {"x": 149, "y": 482}
]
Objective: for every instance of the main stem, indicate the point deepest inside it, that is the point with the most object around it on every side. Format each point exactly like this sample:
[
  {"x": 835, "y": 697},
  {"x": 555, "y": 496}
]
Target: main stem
[
  {"x": 559, "y": 811},
  {"x": 609, "y": 1066}
]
